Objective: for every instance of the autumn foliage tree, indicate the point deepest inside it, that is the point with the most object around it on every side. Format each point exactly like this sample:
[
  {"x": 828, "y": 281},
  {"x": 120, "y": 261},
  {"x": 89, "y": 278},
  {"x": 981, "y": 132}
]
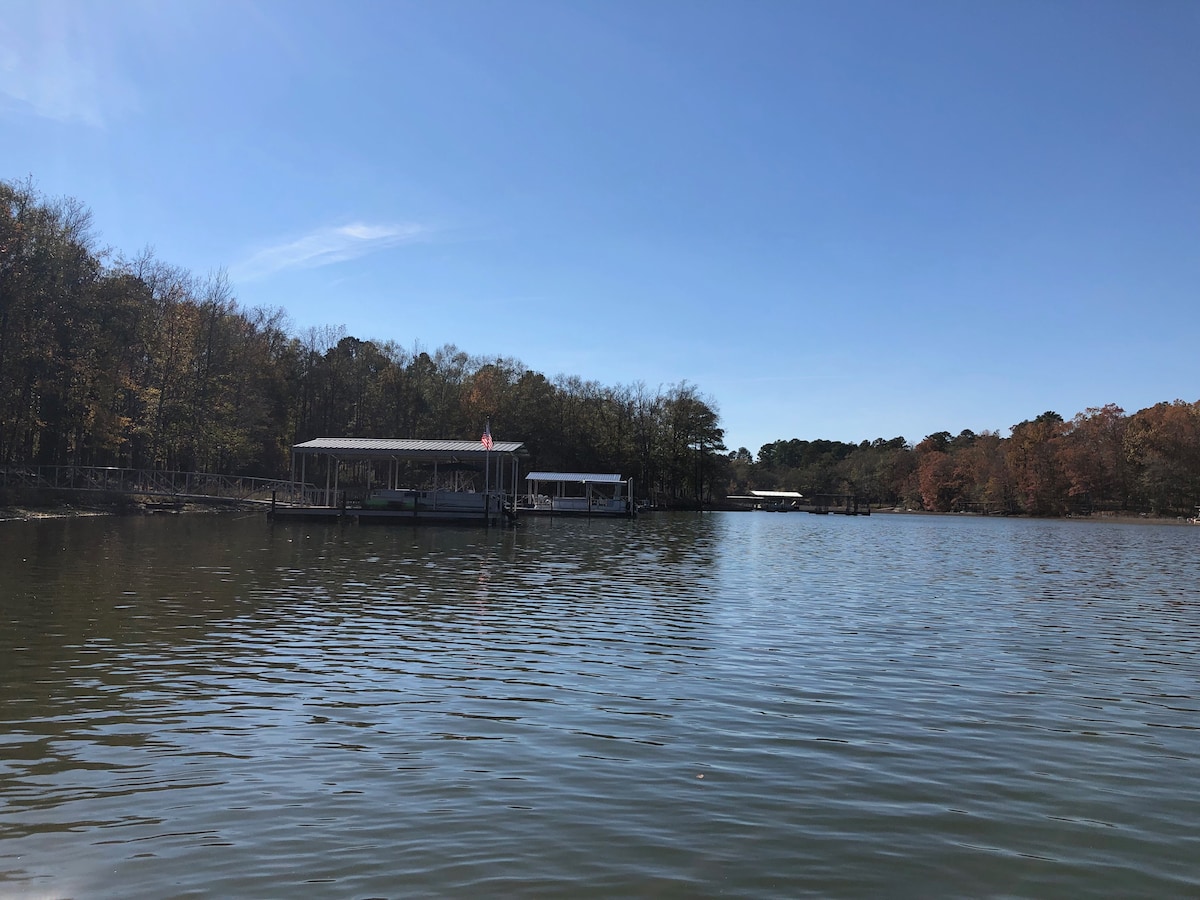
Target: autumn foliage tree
[
  {"x": 1100, "y": 461},
  {"x": 129, "y": 361},
  {"x": 133, "y": 362}
]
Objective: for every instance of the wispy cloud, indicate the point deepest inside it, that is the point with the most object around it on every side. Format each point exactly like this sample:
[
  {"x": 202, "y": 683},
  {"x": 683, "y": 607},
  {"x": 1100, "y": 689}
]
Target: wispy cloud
[
  {"x": 55, "y": 65},
  {"x": 324, "y": 247}
]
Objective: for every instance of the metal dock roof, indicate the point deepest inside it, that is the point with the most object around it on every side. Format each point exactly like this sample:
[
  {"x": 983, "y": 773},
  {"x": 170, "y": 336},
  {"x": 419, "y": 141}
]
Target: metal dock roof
[
  {"x": 406, "y": 449},
  {"x": 574, "y": 476}
]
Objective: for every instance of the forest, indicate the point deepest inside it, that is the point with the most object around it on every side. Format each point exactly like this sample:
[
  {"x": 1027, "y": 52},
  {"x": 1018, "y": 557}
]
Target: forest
[
  {"x": 1101, "y": 460},
  {"x": 129, "y": 361}
]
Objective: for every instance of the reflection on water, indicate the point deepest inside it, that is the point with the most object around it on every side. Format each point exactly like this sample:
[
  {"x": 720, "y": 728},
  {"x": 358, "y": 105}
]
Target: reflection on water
[{"x": 744, "y": 704}]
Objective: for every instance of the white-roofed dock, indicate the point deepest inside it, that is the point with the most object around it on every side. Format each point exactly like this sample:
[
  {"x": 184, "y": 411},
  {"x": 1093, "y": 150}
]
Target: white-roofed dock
[
  {"x": 577, "y": 494},
  {"x": 395, "y": 480}
]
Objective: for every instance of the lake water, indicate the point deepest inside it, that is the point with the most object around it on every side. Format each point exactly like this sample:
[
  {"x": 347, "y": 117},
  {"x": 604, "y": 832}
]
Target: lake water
[{"x": 733, "y": 704}]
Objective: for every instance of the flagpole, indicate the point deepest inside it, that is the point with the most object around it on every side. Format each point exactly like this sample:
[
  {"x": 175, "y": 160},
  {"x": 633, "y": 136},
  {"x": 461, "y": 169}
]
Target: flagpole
[{"x": 487, "y": 458}]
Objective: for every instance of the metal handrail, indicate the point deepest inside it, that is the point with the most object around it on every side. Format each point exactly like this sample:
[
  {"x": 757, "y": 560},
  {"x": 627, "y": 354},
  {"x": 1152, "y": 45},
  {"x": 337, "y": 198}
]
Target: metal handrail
[{"x": 157, "y": 482}]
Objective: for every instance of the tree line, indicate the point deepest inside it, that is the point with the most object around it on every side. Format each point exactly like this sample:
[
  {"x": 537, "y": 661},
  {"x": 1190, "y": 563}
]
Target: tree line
[
  {"x": 128, "y": 361},
  {"x": 1101, "y": 460},
  {"x": 109, "y": 360}
]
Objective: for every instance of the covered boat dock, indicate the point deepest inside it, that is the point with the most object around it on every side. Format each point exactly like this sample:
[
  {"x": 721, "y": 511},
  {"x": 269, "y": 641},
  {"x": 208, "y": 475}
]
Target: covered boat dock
[
  {"x": 578, "y": 494},
  {"x": 794, "y": 501},
  {"x": 386, "y": 479},
  {"x": 777, "y": 501}
]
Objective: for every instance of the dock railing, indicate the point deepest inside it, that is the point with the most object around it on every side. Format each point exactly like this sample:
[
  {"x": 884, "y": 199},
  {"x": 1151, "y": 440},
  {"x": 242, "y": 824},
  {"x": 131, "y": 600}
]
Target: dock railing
[{"x": 157, "y": 483}]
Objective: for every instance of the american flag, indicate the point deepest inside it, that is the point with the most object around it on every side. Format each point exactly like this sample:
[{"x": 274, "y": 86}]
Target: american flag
[{"x": 486, "y": 440}]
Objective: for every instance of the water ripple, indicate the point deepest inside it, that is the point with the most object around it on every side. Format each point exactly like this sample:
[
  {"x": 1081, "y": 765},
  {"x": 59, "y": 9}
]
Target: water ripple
[{"x": 736, "y": 704}]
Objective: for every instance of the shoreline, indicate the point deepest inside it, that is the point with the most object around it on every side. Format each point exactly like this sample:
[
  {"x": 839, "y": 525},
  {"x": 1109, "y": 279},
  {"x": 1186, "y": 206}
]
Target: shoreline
[
  {"x": 26, "y": 513},
  {"x": 34, "y": 513},
  {"x": 19, "y": 513}
]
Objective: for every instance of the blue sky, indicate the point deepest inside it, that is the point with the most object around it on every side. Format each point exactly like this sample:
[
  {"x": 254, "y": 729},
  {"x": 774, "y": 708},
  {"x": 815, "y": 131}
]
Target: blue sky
[{"x": 839, "y": 220}]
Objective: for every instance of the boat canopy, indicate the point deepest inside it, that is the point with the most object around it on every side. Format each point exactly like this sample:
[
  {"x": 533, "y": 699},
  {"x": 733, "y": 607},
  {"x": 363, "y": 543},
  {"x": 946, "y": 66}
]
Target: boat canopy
[
  {"x": 575, "y": 477},
  {"x": 393, "y": 448},
  {"x": 337, "y": 451},
  {"x": 777, "y": 495},
  {"x": 593, "y": 494}
]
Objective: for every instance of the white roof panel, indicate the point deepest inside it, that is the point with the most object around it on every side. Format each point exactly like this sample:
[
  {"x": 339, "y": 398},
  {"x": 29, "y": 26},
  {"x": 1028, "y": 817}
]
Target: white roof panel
[
  {"x": 574, "y": 476},
  {"x": 412, "y": 449},
  {"x": 779, "y": 495}
]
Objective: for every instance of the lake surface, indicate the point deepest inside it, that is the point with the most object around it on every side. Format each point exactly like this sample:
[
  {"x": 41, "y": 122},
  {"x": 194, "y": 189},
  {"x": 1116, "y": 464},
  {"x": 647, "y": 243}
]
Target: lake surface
[{"x": 733, "y": 704}]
